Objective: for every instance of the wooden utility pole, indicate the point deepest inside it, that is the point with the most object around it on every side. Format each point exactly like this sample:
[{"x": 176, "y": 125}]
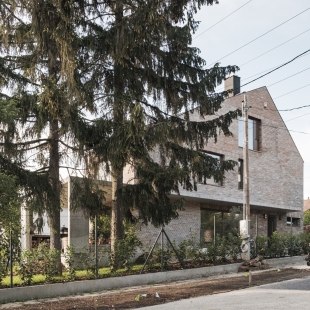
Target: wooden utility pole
[
  {"x": 246, "y": 188},
  {"x": 245, "y": 223}
]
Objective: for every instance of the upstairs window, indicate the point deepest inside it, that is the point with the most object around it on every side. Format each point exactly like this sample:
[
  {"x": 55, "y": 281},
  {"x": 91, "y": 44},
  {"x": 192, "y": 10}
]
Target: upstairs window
[
  {"x": 253, "y": 131},
  {"x": 211, "y": 181}
]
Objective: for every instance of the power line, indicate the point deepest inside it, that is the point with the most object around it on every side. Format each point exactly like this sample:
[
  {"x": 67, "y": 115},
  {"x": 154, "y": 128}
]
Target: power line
[
  {"x": 296, "y": 117},
  {"x": 260, "y": 36},
  {"x": 269, "y": 70},
  {"x": 304, "y": 106},
  {"x": 249, "y": 77},
  {"x": 276, "y": 68},
  {"x": 284, "y": 110},
  {"x": 292, "y": 91},
  {"x": 288, "y": 77},
  {"x": 222, "y": 20},
  {"x": 277, "y": 127},
  {"x": 275, "y": 48}
]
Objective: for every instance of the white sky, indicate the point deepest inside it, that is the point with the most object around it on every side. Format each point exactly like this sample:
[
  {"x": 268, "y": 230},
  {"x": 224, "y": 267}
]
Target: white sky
[{"x": 248, "y": 23}]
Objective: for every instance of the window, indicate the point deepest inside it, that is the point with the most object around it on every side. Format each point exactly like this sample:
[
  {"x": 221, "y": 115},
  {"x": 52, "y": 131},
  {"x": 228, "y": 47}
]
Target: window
[
  {"x": 211, "y": 181},
  {"x": 295, "y": 221},
  {"x": 253, "y": 130},
  {"x": 240, "y": 174}
]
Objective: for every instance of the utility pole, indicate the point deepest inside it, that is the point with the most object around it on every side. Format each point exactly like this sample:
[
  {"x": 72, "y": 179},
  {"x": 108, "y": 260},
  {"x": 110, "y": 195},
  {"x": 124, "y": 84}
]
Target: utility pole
[{"x": 245, "y": 223}]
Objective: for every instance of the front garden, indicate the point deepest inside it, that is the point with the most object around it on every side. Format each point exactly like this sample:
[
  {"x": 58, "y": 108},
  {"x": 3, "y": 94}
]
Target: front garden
[{"x": 39, "y": 266}]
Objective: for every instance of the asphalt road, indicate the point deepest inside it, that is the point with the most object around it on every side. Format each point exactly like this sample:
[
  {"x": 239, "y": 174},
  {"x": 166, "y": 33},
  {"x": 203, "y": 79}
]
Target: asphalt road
[{"x": 291, "y": 294}]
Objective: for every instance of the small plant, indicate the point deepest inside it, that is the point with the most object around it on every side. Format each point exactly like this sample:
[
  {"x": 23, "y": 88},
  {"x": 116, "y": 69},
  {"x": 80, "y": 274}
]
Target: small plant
[
  {"x": 28, "y": 266},
  {"x": 125, "y": 249},
  {"x": 233, "y": 246},
  {"x": 69, "y": 260},
  {"x": 276, "y": 245},
  {"x": 3, "y": 263},
  {"x": 262, "y": 245},
  {"x": 48, "y": 262},
  {"x": 88, "y": 261}
]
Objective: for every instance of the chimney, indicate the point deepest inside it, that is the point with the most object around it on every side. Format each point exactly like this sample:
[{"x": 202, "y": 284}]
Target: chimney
[{"x": 233, "y": 82}]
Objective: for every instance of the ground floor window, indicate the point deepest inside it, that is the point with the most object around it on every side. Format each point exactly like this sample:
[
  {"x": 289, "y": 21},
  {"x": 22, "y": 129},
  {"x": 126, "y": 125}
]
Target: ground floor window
[
  {"x": 219, "y": 223},
  {"x": 293, "y": 221}
]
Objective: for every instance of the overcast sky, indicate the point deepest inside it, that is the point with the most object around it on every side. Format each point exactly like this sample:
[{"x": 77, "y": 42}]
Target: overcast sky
[{"x": 252, "y": 20}]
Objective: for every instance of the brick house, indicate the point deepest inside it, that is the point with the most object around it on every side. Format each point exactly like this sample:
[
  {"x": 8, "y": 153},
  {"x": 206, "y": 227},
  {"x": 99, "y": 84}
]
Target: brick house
[
  {"x": 275, "y": 173},
  {"x": 275, "y": 177}
]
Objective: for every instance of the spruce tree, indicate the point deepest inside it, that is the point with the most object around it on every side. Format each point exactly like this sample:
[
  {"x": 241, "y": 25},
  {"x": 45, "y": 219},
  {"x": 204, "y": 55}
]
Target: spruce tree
[
  {"x": 149, "y": 81},
  {"x": 38, "y": 74}
]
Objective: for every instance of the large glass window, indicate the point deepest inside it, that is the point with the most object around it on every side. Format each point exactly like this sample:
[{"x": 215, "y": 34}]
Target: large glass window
[
  {"x": 211, "y": 181},
  {"x": 253, "y": 131}
]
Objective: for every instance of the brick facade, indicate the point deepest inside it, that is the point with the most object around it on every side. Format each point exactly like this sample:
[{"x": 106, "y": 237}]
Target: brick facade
[{"x": 275, "y": 170}]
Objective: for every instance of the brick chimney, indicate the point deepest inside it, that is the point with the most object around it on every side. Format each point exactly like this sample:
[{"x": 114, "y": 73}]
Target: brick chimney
[{"x": 233, "y": 82}]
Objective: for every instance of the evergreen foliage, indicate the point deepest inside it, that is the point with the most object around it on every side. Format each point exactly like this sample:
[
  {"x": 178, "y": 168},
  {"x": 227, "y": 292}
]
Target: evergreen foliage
[
  {"x": 35, "y": 84},
  {"x": 130, "y": 64},
  {"x": 148, "y": 81}
]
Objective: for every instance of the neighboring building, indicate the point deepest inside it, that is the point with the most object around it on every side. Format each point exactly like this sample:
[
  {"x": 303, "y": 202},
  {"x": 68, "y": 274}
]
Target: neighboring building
[
  {"x": 275, "y": 178},
  {"x": 306, "y": 204}
]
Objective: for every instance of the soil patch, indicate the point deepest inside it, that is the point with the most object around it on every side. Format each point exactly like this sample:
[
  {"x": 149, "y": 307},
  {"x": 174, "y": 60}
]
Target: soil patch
[{"x": 127, "y": 298}]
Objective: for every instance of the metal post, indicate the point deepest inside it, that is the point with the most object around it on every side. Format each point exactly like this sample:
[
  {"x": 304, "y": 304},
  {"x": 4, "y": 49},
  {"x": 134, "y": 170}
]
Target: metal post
[
  {"x": 96, "y": 249},
  {"x": 162, "y": 249},
  {"x": 11, "y": 260},
  {"x": 153, "y": 247},
  {"x": 256, "y": 236},
  {"x": 175, "y": 251},
  {"x": 214, "y": 236},
  {"x": 291, "y": 236}
]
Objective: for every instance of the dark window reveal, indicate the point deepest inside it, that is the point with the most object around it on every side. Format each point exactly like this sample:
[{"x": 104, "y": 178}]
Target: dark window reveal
[{"x": 253, "y": 131}]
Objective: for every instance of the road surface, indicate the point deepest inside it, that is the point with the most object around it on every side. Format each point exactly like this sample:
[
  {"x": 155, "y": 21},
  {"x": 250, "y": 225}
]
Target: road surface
[{"x": 290, "y": 295}]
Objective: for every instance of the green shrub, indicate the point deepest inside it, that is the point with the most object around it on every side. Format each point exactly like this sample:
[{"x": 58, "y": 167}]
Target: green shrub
[
  {"x": 277, "y": 245},
  {"x": 3, "y": 264},
  {"x": 48, "y": 262},
  {"x": 69, "y": 260},
  {"x": 28, "y": 266},
  {"x": 233, "y": 244},
  {"x": 262, "y": 245},
  {"x": 305, "y": 242},
  {"x": 125, "y": 249}
]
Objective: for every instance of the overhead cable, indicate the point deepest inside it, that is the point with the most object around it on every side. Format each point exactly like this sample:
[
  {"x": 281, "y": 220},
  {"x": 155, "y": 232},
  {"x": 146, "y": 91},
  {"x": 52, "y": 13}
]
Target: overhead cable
[
  {"x": 292, "y": 91},
  {"x": 288, "y": 77},
  {"x": 277, "y": 68},
  {"x": 260, "y": 36},
  {"x": 275, "y": 48},
  {"x": 221, "y": 20}
]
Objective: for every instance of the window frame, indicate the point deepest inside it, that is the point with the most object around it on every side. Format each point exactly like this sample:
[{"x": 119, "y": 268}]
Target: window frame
[
  {"x": 254, "y": 139},
  {"x": 220, "y": 159}
]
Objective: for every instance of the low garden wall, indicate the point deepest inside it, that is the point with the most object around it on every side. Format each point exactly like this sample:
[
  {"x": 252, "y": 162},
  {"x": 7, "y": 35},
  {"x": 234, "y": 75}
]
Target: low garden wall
[{"x": 87, "y": 286}]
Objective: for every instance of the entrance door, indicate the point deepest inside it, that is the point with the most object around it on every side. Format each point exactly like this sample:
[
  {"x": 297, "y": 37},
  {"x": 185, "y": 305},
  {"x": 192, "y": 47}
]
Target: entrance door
[{"x": 271, "y": 224}]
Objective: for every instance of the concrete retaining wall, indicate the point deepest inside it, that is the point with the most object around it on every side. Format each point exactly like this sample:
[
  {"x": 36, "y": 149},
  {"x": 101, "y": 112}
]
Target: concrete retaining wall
[
  {"x": 285, "y": 261},
  {"x": 87, "y": 286}
]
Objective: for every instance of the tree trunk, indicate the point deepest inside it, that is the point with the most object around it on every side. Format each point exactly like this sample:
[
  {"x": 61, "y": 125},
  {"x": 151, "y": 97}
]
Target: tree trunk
[
  {"x": 117, "y": 229},
  {"x": 54, "y": 210}
]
